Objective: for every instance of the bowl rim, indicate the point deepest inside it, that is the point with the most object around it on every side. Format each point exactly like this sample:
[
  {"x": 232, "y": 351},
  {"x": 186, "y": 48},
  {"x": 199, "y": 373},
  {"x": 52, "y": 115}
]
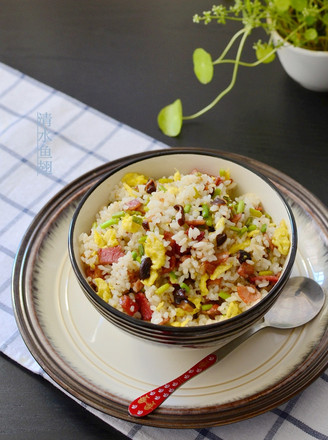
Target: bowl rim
[{"x": 171, "y": 330}]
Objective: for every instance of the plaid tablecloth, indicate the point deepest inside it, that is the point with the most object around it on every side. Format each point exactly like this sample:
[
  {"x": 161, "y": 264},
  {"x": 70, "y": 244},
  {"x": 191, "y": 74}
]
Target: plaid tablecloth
[{"x": 80, "y": 138}]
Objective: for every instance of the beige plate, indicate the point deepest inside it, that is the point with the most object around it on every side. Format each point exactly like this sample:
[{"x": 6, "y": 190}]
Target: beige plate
[{"x": 107, "y": 368}]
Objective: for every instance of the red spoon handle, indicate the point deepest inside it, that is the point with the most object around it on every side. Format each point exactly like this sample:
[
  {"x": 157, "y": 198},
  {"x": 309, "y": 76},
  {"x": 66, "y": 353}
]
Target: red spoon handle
[{"x": 145, "y": 404}]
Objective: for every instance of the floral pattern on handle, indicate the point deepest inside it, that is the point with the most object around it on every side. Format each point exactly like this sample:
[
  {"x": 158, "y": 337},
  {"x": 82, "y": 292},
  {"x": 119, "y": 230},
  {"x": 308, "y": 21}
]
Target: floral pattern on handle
[{"x": 148, "y": 402}]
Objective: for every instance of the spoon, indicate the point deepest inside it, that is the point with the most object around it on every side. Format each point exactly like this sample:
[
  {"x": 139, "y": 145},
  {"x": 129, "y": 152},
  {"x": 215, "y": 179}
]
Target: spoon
[{"x": 300, "y": 301}]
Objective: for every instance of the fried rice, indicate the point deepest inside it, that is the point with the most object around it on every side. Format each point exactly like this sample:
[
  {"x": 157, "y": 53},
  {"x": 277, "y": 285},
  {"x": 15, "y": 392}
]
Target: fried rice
[{"x": 183, "y": 250}]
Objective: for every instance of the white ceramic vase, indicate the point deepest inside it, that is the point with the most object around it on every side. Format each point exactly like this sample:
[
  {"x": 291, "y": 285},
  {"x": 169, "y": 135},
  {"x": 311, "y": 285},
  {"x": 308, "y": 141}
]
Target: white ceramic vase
[{"x": 307, "y": 67}]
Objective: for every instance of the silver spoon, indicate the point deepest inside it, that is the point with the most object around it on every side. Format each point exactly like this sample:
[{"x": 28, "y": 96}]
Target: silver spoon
[{"x": 301, "y": 300}]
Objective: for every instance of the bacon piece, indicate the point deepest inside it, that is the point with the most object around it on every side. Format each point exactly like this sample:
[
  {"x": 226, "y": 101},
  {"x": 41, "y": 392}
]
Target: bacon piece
[
  {"x": 184, "y": 258},
  {"x": 196, "y": 222},
  {"x": 216, "y": 282},
  {"x": 137, "y": 286},
  {"x": 209, "y": 266},
  {"x": 110, "y": 255},
  {"x": 235, "y": 219},
  {"x": 201, "y": 236},
  {"x": 144, "y": 306},
  {"x": 218, "y": 180},
  {"x": 221, "y": 257},
  {"x": 247, "y": 296},
  {"x": 176, "y": 249},
  {"x": 128, "y": 305},
  {"x": 172, "y": 260},
  {"x": 93, "y": 273},
  {"x": 132, "y": 205},
  {"x": 271, "y": 278},
  {"x": 213, "y": 311},
  {"x": 245, "y": 270}
]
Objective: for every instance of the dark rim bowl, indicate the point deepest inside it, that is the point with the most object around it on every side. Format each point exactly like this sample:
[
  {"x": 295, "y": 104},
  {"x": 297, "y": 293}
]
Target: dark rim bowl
[{"x": 161, "y": 163}]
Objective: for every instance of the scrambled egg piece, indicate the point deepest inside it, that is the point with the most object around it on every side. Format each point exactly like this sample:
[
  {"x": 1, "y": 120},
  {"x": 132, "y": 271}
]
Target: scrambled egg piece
[
  {"x": 180, "y": 324},
  {"x": 155, "y": 250},
  {"x": 151, "y": 280},
  {"x": 177, "y": 176},
  {"x": 129, "y": 225},
  {"x": 129, "y": 190},
  {"x": 134, "y": 179},
  {"x": 220, "y": 270},
  {"x": 103, "y": 289},
  {"x": 253, "y": 233},
  {"x": 173, "y": 190},
  {"x": 202, "y": 284},
  {"x": 196, "y": 300},
  {"x": 219, "y": 227},
  {"x": 110, "y": 238},
  {"x": 99, "y": 239},
  {"x": 165, "y": 180},
  {"x": 280, "y": 238},
  {"x": 239, "y": 246},
  {"x": 160, "y": 305},
  {"x": 233, "y": 309}
]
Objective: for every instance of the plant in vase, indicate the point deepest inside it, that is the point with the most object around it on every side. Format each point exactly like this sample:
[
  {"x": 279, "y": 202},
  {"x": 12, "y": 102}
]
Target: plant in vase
[{"x": 300, "y": 25}]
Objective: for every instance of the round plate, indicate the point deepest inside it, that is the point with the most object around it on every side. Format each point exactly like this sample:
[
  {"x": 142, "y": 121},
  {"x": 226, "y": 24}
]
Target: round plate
[{"x": 107, "y": 368}]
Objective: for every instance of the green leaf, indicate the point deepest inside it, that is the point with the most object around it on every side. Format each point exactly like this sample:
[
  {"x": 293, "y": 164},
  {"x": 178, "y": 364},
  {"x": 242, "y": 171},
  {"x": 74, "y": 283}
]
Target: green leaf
[
  {"x": 169, "y": 119},
  {"x": 262, "y": 50},
  {"x": 203, "y": 65},
  {"x": 310, "y": 34},
  {"x": 325, "y": 19},
  {"x": 299, "y": 5},
  {"x": 282, "y": 5},
  {"x": 310, "y": 20}
]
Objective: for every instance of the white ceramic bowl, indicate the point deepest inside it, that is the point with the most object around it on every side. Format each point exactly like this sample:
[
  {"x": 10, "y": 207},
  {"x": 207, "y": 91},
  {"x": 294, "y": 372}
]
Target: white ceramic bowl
[
  {"x": 307, "y": 67},
  {"x": 158, "y": 164}
]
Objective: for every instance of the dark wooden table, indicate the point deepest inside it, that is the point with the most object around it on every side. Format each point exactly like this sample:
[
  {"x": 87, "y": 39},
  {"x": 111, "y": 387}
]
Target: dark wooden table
[{"x": 128, "y": 59}]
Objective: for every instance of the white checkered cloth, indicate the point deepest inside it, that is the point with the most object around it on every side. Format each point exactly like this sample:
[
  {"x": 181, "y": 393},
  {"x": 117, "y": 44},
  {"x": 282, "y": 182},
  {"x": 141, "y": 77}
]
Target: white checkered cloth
[{"x": 83, "y": 139}]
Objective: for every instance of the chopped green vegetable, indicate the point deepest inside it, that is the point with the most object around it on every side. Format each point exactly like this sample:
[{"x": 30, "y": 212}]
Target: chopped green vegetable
[
  {"x": 185, "y": 287},
  {"x": 162, "y": 289},
  {"x": 187, "y": 208},
  {"x": 142, "y": 239},
  {"x": 264, "y": 228},
  {"x": 134, "y": 255},
  {"x": 209, "y": 222},
  {"x": 240, "y": 231},
  {"x": 110, "y": 222},
  {"x": 137, "y": 219},
  {"x": 205, "y": 211},
  {"x": 224, "y": 295},
  {"x": 141, "y": 250},
  {"x": 249, "y": 221},
  {"x": 243, "y": 230},
  {"x": 173, "y": 277},
  {"x": 255, "y": 212},
  {"x": 118, "y": 214},
  {"x": 251, "y": 228},
  {"x": 206, "y": 307},
  {"x": 240, "y": 207},
  {"x": 217, "y": 192},
  {"x": 197, "y": 194}
]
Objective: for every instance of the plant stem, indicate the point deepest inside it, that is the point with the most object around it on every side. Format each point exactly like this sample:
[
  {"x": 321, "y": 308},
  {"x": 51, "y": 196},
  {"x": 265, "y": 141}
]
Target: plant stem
[
  {"x": 228, "y": 47},
  {"x": 256, "y": 63},
  {"x": 245, "y": 33}
]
